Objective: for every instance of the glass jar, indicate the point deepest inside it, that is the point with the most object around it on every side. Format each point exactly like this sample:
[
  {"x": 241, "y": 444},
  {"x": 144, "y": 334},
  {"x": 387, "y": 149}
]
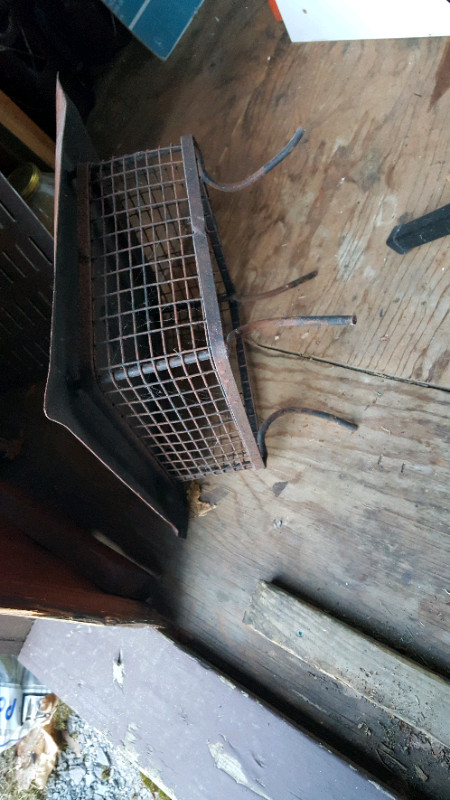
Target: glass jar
[{"x": 37, "y": 189}]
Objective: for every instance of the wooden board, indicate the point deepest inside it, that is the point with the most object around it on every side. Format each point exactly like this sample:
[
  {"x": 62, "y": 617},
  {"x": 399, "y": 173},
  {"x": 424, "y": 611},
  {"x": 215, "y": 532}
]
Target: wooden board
[
  {"x": 90, "y": 558},
  {"x": 21, "y": 126},
  {"x": 354, "y": 522},
  {"x": 376, "y": 152},
  {"x": 363, "y": 533},
  {"x": 397, "y": 686},
  {"x": 35, "y": 583},
  {"x": 13, "y": 632},
  {"x": 197, "y": 734}
]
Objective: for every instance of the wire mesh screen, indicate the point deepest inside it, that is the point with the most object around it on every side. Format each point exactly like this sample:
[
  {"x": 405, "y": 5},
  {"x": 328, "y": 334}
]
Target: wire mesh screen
[{"x": 152, "y": 354}]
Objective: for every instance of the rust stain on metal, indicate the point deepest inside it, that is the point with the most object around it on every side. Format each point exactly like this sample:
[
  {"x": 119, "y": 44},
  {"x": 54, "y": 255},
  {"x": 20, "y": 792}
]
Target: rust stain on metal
[{"x": 141, "y": 369}]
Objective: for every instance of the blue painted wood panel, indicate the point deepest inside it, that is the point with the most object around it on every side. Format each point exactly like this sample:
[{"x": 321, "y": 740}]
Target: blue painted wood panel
[{"x": 159, "y": 24}]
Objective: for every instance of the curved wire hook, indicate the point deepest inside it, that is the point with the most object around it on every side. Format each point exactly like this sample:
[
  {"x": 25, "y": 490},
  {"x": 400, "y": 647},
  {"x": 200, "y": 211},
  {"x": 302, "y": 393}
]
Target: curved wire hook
[
  {"x": 250, "y": 298},
  {"x": 261, "y": 437},
  {"x": 235, "y": 187}
]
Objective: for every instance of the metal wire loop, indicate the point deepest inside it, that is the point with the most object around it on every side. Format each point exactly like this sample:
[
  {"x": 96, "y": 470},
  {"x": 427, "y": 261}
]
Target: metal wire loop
[
  {"x": 261, "y": 438},
  {"x": 236, "y": 187}
]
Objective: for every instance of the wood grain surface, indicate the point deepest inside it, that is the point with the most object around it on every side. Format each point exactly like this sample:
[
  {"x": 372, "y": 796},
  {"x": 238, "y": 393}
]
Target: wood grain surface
[
  {"x": 188, "y": 727},
  {"x": 376, "y": 152},
  {"x": 34, "y": 583},
  {"x": 354, "y": 522},
  {"x": 397, "y": 686}
]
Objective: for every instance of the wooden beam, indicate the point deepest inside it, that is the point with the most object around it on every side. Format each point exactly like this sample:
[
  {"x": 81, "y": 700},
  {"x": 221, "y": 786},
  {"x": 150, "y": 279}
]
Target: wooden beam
[
  {"x": 75, "y": 546},
  {"x": 21, "y": 126},
  {"x": 35, "y": 583},
  {"x": 191, "y": 729},
  {"x": 396, "y": 685},
  {"x": 13, "y": 632}
]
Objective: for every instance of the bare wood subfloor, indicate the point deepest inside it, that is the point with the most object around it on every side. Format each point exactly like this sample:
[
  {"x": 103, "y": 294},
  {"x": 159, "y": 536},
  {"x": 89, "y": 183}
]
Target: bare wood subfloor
[
  {"x": 356, "y": 521},
  {"x": 353, "y": 522},
  {"x": 376, "y": 151}
]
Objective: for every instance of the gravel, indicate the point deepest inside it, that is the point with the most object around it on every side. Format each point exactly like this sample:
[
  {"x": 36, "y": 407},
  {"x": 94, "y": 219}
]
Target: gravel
[{"x": 90, "y": 769}]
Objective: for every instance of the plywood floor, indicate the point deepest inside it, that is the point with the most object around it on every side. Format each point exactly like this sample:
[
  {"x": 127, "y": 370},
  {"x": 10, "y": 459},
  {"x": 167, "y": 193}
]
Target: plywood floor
[
  {"x": 376, "y": 151},
  {"x": 354, "y": 522}
]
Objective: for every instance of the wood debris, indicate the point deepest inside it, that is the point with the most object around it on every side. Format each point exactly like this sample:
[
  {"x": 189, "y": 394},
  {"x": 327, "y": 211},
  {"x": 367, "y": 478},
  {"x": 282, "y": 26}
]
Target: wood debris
[{"x": 197, "y": 506}]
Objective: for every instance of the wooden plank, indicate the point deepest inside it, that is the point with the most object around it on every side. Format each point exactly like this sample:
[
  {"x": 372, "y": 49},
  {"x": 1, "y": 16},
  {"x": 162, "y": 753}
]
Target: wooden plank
[
  {"x": 354, "y": 522},
  {"x": 396, "y": 685},
  {"x": 363, "y": 533},
  {"x": 35, "y": 583},
  {"x": 56, "y": 532},
  {"x": 196, "y": 733},
  {"x": 13, "y": 632},
  {"x": 21, "y": 126},
  {"x": 376, "y": 152}
]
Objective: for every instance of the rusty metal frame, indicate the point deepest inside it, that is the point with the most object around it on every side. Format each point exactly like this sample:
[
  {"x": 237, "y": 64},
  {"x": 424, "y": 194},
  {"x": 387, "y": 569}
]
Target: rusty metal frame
[
  {"x": 72, "y": 395},
  {"x": 149, "y": 365},
  {"x": 244, "y": 415},
  {"x": 232, "y": 299},
  {"x": 151, "y": 269}
]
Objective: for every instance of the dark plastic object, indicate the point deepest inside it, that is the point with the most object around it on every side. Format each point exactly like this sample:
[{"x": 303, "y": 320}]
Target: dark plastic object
[{"x": 419, "y": 231}]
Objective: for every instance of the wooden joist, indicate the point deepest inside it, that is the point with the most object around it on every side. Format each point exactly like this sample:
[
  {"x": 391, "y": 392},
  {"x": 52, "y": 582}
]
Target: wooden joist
[
  {"x": 35, "y": 583},
  {"x": 24, "y": 129}
]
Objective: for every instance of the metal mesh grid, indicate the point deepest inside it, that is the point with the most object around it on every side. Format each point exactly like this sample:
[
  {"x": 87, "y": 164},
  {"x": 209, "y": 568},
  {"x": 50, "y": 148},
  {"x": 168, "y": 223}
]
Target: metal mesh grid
[
  {"x": 151, "y": 352},
  {"x": 229, "y": 310}
]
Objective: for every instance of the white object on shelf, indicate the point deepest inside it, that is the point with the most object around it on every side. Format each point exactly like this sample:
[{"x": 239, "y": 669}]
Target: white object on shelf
[{"x": 334, "y": 20}]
